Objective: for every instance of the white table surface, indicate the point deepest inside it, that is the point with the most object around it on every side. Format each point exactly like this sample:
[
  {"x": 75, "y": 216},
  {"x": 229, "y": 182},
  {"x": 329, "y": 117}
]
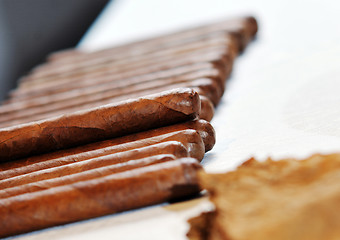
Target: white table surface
[{"x": 283, "y": 99}]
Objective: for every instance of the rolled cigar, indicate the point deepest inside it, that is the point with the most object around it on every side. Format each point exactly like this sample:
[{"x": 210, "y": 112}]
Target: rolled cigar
[
  {"x": 182, "y": 132},
  {"x": 204, "y": 87},
  {"x": 86, "y": 175},
  {"x": 219, "y": 57},
  {"x": 114, "y": 88},
  {"x": 190, "y": 139},
  {"x": 123, "y": 63},
  {"x": 108, "y": 78},
  {"x": 149, "y": 65},
  {"x": 207, "y": 109},
  {"x": 100, "y": 196},
  {"x": 97, "y": 124},
  {"x": 172, "y": 147},
  {"x": 122, "y": 52},
  {"x": 244, "y": 28},
  {"x": 98, "y": 63}
]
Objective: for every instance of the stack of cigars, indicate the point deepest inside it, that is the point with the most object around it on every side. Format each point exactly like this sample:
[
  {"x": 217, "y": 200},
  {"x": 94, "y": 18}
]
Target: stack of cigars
[{"x": 93, "y": 133}]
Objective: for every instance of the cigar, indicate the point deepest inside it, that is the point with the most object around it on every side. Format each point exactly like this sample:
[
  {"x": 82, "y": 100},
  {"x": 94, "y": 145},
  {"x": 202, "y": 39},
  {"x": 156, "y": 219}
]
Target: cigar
[
  {"x": 189, "y": 138},
  {"x": 67, "y": 71},
  {"x": 244, "y": 28},
  {"x": 207, "y": 109},
  {"x": 171, "y": 147},
  {"x": 115, "y": 88},
  {"x": 186, "y": 133},
  {"x": 86, "y": 175},
  {"x": 124, "y": 51},
  {"x": 51, "y": 71},
  {"x": 204, "y": 87},
  {"x": 97, "y": 124},
  {"x": 219, "y": 57},
  {"x": 100, "y": 196}
]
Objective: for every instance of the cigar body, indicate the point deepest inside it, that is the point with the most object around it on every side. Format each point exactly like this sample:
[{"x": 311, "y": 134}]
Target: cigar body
[
  {"x": 186, "y": 133},
  {"x": 242, "y": 28},
  {"x": 98, "y": 124},
  {"x": 204, "y": 87},
  {"x": 100, "y": 196},
  {"x": 219, "y": 56},
  {"x": 190, "y": 139},
  {"x": 108, "y": 90},
  {"x": 100, "y": 64},
  {"x": 170, "y": 147},
  {"x": 110, "y": 82},
  {"x": 85, "y": 175}
]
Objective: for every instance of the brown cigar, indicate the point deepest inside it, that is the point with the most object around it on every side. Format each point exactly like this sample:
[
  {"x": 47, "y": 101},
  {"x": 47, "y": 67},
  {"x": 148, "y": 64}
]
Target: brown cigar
[
  {"x": 127, "y": 52},
  {"x": 189, "y": 138},
  {"x": 50, "y": 72},
  {"x": 207, "y": 109},
  {"x": 86, "y": 175},
  {"x": 115, "y": 88},
  {"x": 204, "y": 87},
  {"x": 244, "y": 28},
  {"x": 100, "y": 123},
  {"x": 186, "y": 133},
  {"x": 219, "y": 57},
  {"x": 100, "y": 196},
  {"x": 172, "y": 147}
]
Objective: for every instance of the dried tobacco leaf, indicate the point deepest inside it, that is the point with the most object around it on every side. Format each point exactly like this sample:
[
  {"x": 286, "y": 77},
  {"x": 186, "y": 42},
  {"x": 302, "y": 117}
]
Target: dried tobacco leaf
[{"x": 287, "y": 199}]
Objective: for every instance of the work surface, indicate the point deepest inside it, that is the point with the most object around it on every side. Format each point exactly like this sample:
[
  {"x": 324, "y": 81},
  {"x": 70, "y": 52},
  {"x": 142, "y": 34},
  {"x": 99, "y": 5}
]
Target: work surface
[{"x": 282, "y": 99}]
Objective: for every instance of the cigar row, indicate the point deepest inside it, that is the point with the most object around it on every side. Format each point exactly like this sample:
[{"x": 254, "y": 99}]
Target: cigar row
[
  {"x": 104, "y": 122},
  {"x": 29, "y": 187},
  {"x": 207, "y": 79},
  {"x": 168, "y": 67},
  {"x": 89, "y": 134},
  {"x": 200, "y": 59},
  {"x": 116, "y": 192},
  {"x": 241, "y": 29},
  {"x": 102, "y": 64},
  {"x": 196, "y": 136}
]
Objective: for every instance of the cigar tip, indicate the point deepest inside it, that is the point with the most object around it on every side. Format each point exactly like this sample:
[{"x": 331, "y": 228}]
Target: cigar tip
[
  {"x": 185, "y": 100},
  {"x": 207, "y": 133},
  {"x": 253, "y": 24},
  {"x": 207, "y": 109}
]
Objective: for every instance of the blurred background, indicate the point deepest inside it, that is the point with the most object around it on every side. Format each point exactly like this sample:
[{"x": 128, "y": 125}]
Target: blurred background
[{"x": 31, "y": 29}]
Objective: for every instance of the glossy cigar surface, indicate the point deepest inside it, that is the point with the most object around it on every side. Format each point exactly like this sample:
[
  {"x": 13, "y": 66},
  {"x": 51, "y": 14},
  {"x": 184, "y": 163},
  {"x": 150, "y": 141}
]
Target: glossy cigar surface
[
  {"x": 170, "y": 147},
  {"x": 113, "y": 92},
  {"x": 98, "y": 124},
  {"x": 96, "y": 197},
  {"x": 204, "y": 87},
  {"x": 85, "y": 175},
  {"x": 189, "y": 139},
  {"x": 192, "y": 134}
]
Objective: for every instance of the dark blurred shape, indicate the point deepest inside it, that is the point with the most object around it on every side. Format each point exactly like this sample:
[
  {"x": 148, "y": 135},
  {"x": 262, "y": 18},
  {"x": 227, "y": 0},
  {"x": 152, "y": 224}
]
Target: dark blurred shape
[{"x": 31, "y": 29}]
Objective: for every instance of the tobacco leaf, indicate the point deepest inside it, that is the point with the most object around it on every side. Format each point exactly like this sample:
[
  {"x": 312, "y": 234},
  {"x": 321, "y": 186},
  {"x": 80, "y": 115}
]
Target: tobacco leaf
[{"x": 287, "y": 199}]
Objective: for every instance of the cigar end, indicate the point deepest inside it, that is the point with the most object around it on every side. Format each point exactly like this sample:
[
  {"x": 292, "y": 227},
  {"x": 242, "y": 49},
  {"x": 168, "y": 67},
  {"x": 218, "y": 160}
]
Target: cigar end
[
  {"x": 207, "y": 109},
  {"x": 190, "y": 167},
  {"x": 184, "y": 100},
  {"x": 207, "y": 133}
]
